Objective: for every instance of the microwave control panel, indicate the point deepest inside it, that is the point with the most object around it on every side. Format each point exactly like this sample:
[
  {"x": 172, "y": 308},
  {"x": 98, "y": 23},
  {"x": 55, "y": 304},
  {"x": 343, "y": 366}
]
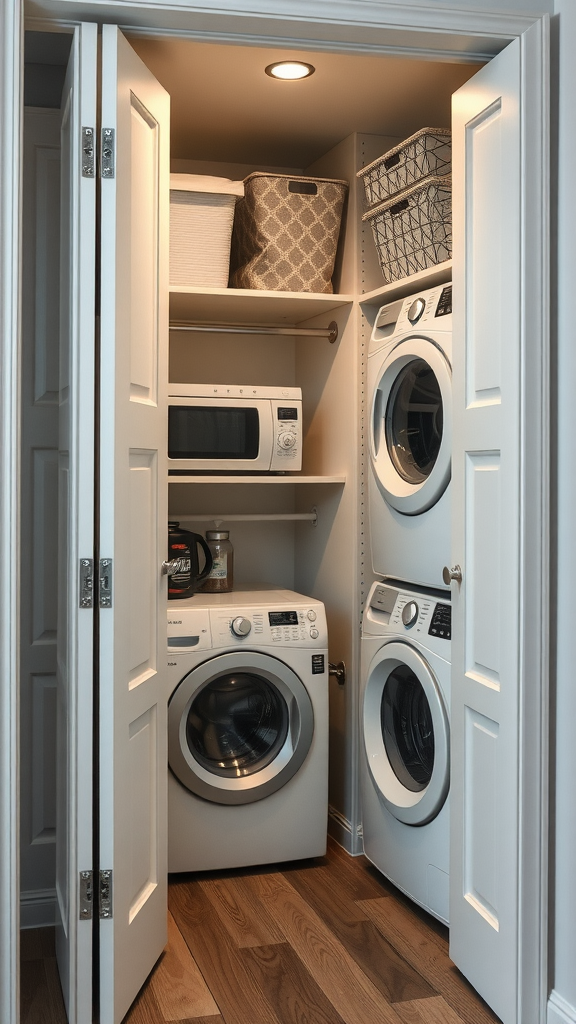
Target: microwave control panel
[{"x": 287, "y": 435}]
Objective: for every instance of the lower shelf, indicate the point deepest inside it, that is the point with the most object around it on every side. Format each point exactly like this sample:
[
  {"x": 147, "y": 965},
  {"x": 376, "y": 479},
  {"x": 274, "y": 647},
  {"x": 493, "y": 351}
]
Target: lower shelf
[{"x": 292, "y": 479}]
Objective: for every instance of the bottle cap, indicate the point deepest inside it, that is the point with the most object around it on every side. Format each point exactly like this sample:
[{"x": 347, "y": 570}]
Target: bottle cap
[{"x": 217, "y": 534}]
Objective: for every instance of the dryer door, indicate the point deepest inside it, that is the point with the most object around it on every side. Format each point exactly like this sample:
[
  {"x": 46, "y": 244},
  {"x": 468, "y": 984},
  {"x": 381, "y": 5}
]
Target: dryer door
[
  {"x": 239, "y": 727},
  {"x": 411, "y": 431},
  {"x": 406, "y": 734}
]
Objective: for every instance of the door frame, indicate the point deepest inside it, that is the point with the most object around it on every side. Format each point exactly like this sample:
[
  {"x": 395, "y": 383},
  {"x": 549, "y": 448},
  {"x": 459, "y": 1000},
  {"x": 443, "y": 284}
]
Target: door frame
[
  {"x": 11, "y": 120},
  {"x": 363, "y": 27}
]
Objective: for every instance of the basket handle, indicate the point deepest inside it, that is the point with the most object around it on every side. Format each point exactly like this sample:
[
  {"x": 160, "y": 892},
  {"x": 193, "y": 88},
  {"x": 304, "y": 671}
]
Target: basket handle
[
  {"x": 392, "y": 161},
  {"x": 398, "y": 207},
  {"x": 303, "y": 188}
]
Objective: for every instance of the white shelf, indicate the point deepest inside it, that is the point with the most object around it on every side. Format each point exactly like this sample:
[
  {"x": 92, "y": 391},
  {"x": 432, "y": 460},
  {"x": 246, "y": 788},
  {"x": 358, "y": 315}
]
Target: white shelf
[
  {"x": 246, "y": 306},
  {"x": 255, "y": 479},
  {"x": 440, "y": 274}
]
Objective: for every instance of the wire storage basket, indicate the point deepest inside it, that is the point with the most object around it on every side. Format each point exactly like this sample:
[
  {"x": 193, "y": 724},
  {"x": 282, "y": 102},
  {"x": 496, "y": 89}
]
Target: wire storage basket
[
  {"x": 427, "y": 152},
  {"x": 413, "y": 230}
]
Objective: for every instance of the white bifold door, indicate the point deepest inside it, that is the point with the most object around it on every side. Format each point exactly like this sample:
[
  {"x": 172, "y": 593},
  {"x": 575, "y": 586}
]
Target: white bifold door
[
  {"x": 112, "y": 691},
  {"x": 133, "y": 504},
  {"x": 113, "y": 486},
  {"x": 499, "y": 493},
  {"x": 75, "y": 651}
]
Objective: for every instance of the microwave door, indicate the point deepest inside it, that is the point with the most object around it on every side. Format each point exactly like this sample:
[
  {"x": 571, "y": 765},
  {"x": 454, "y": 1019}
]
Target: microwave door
[{"x": 219, "y": 435}]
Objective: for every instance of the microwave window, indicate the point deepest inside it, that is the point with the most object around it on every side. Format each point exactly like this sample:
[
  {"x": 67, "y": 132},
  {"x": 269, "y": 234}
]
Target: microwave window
[{"x": 212, "y": 432}]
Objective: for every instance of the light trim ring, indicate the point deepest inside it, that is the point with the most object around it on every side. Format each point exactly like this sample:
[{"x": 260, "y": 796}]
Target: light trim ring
[{"x": 290, "y": 70}]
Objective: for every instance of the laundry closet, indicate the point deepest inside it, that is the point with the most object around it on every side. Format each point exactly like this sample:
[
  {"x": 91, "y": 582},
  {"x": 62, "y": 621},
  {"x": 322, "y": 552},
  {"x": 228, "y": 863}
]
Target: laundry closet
[
  {"x": 242, "y": 112},
  {"x": 302, "y": 531}
]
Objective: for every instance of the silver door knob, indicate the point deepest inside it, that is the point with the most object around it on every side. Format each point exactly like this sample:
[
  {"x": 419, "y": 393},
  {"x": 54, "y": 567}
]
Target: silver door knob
[{"x": 455, "y": 573}]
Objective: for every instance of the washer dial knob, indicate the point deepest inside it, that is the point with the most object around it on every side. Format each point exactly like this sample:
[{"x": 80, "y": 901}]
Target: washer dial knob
[
  {"x": 410, "y": 613},
  {"x": 416, "y": 310},
  {"x": 241, "y": 626}
]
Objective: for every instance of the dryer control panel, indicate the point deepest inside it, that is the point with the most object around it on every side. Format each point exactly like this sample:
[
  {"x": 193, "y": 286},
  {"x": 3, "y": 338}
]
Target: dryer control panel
[{"x": 430, "y": 308}]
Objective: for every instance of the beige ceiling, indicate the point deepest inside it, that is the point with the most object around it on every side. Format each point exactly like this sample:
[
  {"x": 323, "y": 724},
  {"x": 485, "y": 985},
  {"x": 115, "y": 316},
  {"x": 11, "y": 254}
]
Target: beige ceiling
[{"x": 225, "y": 108}]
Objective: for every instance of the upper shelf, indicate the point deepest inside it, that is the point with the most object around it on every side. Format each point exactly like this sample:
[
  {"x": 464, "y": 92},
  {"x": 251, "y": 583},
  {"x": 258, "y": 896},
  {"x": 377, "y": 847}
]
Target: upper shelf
[
  {"x": 246, "y": 306},
  {"x": 429, "y": 278}
]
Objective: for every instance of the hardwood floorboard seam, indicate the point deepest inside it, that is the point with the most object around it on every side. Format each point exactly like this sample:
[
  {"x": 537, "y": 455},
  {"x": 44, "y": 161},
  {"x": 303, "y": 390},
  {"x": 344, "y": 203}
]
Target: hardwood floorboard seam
[{"x": 324, "y": 941}]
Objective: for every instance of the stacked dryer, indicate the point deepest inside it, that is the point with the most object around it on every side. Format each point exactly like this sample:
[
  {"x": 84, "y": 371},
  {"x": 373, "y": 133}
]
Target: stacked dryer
[
  {"x": 406, "y": 626},
  {"x": 410, "y": 391}
]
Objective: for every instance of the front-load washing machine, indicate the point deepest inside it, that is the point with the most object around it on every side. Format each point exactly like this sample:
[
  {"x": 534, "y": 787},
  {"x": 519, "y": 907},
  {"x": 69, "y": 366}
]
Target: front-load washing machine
[
  {"x": 247, "y": 729},
  {"x": 405, "y": 756},
  {"x": 410, "y": 437}
]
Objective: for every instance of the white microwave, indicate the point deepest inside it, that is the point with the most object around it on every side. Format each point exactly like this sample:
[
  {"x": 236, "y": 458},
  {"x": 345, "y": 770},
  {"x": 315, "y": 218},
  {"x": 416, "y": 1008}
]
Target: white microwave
[{"x": 220, "y": 428}]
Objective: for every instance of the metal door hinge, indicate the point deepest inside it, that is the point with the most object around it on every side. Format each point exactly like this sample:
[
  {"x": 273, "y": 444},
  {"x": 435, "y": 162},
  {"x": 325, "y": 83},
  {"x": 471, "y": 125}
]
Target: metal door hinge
[
  {"x": 105, "y": 583},
  {"x": 86, "y": 895},
  {"x": 107, "y": 153},
  {"x": 105, "y": 894},
  {"x": 86, "y": 598},
  {"x": 88, "y": 154}
]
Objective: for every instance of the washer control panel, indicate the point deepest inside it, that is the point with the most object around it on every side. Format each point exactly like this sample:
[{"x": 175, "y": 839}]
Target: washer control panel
[
  {"x": 232, "y": 624},
  {"x": 418, "y": 614}
]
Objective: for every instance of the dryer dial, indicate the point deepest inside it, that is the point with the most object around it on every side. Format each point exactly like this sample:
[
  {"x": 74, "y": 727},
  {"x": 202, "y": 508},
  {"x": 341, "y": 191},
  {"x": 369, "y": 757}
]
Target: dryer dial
[
  {"x": 241, "y": 626},
  {"x": 410, "y": 613},
  {"x": 416, "y": 310}
]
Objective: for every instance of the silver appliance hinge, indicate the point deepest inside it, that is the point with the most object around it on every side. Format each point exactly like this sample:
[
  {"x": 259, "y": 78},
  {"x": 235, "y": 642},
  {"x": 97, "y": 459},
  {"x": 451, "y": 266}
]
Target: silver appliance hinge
[
  {"x": 107, "y": 153},
  {"x": 105, "y": 583},
  {"x": 86, "y": 898},
  {"x": 88, "y": 154},
  {"x": 86, "y": 598},
  {"x": 105, "y": 894}
]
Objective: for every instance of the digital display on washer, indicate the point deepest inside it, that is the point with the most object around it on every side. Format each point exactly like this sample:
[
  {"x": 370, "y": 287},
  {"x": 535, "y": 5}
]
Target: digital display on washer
[
  {"x": 444, "y": 306},
  {"x": 283, "y": 618},
  {"x": 441, "y": 624}
]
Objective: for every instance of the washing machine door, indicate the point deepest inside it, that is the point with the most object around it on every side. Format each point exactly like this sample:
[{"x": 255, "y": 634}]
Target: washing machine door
[
  {"x": 406, "y": 734},
  {"x": 239, "y": 727},
  {"x": 411, "y": 431}
]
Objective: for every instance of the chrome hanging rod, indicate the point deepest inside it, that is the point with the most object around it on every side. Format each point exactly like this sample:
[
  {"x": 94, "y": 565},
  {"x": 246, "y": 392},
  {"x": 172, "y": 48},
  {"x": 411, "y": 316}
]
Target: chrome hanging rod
[{"x": 330, "y": 332}]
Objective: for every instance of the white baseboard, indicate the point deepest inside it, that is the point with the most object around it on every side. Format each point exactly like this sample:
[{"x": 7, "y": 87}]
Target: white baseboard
[
  {"x": 559, "y": 1011},
  {"x": 37, "y": 908},
  {"x": 341, "y": 830}
]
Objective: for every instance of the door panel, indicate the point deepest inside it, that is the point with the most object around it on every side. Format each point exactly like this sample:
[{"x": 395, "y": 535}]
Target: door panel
[
  {"x": 39, "y": 507},
  {"x": 75, "y": 528},
  {"x": 493, "y": 171},
  {"x": 133, "y": 520}
]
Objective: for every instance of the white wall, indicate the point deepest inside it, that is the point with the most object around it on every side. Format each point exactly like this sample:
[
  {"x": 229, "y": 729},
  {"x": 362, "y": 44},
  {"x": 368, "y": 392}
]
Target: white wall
[{"x": 563, "y": 1002}]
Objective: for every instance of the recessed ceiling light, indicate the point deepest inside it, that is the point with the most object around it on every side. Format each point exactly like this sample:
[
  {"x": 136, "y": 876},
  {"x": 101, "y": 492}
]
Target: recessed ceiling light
[{"x": 290, "y": 70}]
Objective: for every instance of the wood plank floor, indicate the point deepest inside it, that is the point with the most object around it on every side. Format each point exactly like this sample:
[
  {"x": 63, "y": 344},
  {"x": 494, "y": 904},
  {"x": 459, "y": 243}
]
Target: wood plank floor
[{"x": 327, "y": 941}]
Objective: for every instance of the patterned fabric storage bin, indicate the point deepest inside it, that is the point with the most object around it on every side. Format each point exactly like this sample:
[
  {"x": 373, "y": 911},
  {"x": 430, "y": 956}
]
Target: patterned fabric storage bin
[
  {"x": 286, "y": 233},
  {"x": 413, "y": 230},
  {"x": 427, "y": 152},
  {"x": 201, "y": 218}
]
